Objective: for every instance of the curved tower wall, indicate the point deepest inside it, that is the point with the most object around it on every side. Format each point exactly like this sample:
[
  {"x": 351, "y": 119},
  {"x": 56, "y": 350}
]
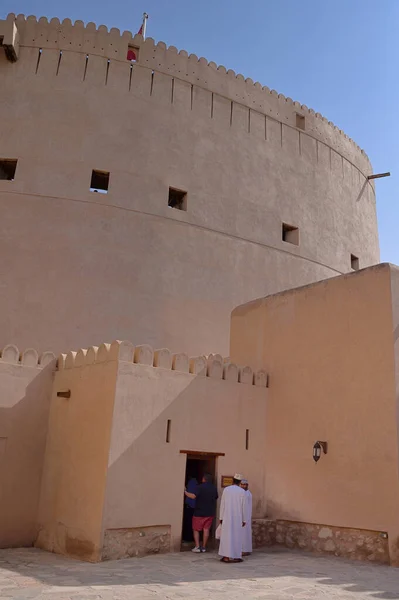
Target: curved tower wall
[{"x": 79, "y": 267}]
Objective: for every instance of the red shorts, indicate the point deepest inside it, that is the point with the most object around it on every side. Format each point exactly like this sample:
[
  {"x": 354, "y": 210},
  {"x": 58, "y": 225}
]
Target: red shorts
[{"x": 200, "y": 523}]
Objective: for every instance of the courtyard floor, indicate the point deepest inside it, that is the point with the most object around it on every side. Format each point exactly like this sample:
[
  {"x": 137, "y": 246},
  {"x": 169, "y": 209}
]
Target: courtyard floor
[{"x": 271, "y": 575}]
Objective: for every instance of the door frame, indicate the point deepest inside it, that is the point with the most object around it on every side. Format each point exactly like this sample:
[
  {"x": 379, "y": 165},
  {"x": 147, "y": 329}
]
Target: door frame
[{"x": 205, "y": 455}]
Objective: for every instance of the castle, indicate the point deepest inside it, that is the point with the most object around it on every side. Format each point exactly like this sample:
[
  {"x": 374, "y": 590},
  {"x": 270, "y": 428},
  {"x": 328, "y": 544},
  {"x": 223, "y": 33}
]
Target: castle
[{"x": 150, "y": 195}]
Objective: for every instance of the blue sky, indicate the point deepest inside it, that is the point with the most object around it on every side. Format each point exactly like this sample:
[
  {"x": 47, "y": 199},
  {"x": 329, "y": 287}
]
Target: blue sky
[{"x": 339, "y": 57}]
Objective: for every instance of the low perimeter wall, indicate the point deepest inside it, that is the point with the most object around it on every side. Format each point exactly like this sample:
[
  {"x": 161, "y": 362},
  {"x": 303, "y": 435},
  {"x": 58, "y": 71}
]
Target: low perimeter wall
[{"x": 358, "y": 544}]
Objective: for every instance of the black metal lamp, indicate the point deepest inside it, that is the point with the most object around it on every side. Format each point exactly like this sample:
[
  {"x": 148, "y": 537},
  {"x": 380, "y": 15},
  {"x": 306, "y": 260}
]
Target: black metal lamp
[{"x": 318, "y": 448}]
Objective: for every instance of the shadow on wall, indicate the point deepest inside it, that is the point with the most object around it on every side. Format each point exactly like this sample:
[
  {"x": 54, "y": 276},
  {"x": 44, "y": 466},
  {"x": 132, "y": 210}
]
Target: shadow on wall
[
  {"x": 157, "y": 414},
  {"x": 23, "y": 429}
]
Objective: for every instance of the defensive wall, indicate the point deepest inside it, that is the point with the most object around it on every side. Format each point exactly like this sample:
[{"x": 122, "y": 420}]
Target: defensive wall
[
  {"x": 116, "y": 451},
  {"x": 93, "y": 453},
  {"x": 331, "y": 349},
  {"x": 250, "y": 161},
  {"x": 25, "y": 392},
  {"x": 77, "y": 432}
]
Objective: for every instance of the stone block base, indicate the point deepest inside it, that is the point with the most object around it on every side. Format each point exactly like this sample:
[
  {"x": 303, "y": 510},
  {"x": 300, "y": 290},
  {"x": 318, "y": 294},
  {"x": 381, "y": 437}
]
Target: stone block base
[
  {"x": 357, "y": 544},
  {"x": 263, "y": 533},
  {"x": 125, "y": 543}
]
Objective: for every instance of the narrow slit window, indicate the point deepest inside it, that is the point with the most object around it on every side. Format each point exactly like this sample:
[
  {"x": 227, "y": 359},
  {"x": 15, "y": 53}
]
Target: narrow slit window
[
  {"x": 8, "y": 167},
  {"x": 168, "y": 427},
  {"x": 300, "y": 121},
  {"x": 354, "y": 262},
  {"x": 177, "y": 199},
  {"x": 290, "y": 234},
  {"x": 246, "y": 439},
  {"x": 99, "y": 182},
  {"x": 132, "y": 53}
]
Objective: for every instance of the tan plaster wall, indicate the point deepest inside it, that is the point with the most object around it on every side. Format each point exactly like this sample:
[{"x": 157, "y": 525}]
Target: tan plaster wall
[
  {"x": 75, "y": 468},
  {"x": 172, "y": 120},
  {"x": 146, "y": 475},
  {"x": 24, "y": 407},
  {"x": 329, "y": 351}
]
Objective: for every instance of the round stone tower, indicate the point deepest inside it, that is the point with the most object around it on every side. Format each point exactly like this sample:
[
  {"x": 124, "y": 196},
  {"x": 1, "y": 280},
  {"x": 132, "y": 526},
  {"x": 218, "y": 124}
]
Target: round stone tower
[{"x": 145, "y": 193}]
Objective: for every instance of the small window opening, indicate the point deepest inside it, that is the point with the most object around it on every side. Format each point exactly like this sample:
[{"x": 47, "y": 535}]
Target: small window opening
[
  {"x": 354, "y": 262},
  {"x": 300, "y": 121},
  {"x": 7, "y": 168},
  {"x": 177, "y": 199},
  {"x": 99, "y": 182},
  {"x": 290, "y": 234},
  {"x": 168, "y": 424},
  {"x": 132, "y": 53},
  {"x": 246, "y": 439}
]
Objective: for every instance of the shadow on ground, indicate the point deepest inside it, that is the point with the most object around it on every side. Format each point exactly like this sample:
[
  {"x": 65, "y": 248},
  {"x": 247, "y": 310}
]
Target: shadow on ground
[{"x": 273, "y": 569}]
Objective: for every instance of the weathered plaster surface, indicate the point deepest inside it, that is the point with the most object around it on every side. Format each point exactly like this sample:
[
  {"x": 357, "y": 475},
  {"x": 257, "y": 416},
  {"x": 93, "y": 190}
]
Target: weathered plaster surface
[
  {"x": 75, "y": 466},
  {"x": 109, "y": 473},
  {"x": 329, "y": 350},
  {"x": 25, "y": 390},
  {"x": 83, "y": 267}
]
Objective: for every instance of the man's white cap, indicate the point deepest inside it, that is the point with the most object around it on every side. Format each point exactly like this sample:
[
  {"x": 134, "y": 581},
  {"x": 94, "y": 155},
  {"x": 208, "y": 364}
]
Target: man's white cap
[
  {"x": 244, "y": 481},
  {"x": 238, "y": 477}
]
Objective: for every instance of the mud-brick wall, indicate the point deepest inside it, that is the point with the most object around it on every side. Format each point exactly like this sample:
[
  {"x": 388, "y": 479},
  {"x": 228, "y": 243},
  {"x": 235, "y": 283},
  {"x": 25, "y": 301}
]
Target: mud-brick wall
[
  {"x": 124, "y": 265},
  {"x": 25, "y": 390},
  {"x": 113, "y": 483}
]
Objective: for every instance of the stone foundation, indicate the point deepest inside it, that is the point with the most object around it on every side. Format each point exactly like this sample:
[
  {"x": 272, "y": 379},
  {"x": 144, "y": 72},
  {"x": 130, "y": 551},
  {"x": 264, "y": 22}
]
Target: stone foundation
[
  {"x": 125, "y": 543},
  {"x": 263, "y": 533},
  {"x": 357, "y": 544}
]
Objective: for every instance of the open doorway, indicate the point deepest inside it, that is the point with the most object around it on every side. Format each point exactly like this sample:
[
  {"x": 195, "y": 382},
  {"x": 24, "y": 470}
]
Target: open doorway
[{"x": 197, "y": 465}]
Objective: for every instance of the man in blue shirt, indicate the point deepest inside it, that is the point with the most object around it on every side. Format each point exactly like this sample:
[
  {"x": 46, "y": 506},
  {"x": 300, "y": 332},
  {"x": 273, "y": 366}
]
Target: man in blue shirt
[{"x": 204, "y": 512}]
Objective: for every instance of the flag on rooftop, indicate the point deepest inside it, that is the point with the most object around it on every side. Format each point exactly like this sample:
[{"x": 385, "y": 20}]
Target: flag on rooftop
[{"x": 131, "y": 54}]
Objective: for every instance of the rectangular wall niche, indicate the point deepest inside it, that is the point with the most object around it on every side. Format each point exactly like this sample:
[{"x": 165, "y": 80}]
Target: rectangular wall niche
[
  {"x": 7, "y": 168},
  {"x": 177, "y": 199},
  {"x": 132, "y": 53},
  {"x": 300, "y": 121},
  {"x": 354, "y": 262},
  {"x": 290, "y": 234},
  {"x": 99, "y": 181}
]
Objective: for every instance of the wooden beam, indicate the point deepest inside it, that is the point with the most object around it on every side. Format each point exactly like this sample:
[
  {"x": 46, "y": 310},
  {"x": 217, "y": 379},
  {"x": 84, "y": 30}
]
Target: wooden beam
[
  {"x": 378, "y": 175},
  {"x": 198, "y": 453}
]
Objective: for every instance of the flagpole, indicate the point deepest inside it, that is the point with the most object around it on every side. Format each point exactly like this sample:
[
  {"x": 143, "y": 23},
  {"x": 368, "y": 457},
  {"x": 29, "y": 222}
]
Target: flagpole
[{"x": 145, "y": 17}]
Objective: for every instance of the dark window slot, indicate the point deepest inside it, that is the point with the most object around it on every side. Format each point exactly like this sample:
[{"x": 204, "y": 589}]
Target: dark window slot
[
  {"x": 177, "y": 199},
  {"x": 290, "y": 234},
  {"x": 7, "y": 168},
  {"x": 99, "y": 182},
  {"x": 168, "y": 426}
]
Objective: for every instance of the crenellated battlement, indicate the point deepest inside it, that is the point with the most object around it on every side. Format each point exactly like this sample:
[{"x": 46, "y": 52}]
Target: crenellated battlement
[
  {"x": 113, "y": 45},
  {"x": 212, "y": 366},
  {"x": 28, "y": 358}
]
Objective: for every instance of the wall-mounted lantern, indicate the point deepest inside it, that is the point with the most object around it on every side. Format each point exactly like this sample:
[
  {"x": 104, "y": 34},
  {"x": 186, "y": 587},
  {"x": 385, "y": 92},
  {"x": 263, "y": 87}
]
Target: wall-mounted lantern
[{"x": 318, "y": 448}]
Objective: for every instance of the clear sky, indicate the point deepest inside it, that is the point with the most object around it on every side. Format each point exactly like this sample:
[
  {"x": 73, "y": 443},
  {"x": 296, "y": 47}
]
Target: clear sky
[{"x": 339, "y": 57}]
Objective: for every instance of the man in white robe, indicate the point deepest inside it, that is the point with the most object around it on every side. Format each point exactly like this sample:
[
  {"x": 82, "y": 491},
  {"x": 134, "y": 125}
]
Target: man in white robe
[
  {"x": 232, "y": 518},
  {"x": 247, "y": 531}
]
